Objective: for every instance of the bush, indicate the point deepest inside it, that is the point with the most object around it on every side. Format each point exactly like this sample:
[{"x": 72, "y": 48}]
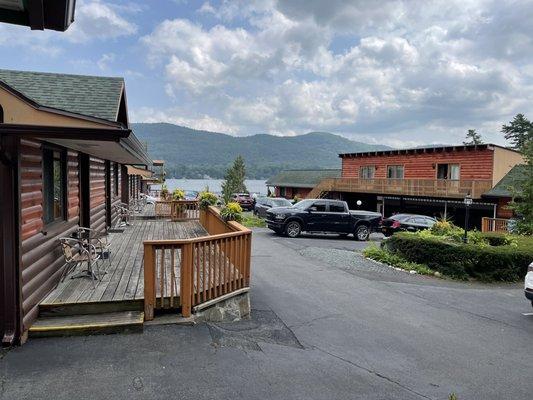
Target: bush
[
  {"x": 207, "y": 199},
  {"x": 462, "y": 261},
  {"x": 164, "y": 192},
  {"x": 178, "y": 194},
  {"x": 251, "y": 221},
  {"x": 231, "y": 212},
  {"x": 386, "y": 257}
]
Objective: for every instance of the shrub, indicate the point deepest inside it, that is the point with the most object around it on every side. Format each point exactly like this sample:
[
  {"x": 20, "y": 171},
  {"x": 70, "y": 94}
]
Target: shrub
[
  {"x": 231, "y": 212},
  {"x": 443, "y": 228},
  {"x": 164, "y": 191},
  {"x": 178, "y": 194},
  {"x": 207, "y": 199},
  {"x": 487, "y": 263},
  {"x": 251, "y": 221},
  {"x": 386, "y": 257},
  {"x": 500, "y": 239}
]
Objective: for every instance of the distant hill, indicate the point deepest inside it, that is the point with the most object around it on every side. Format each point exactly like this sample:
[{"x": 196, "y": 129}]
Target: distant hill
[{"x": 190, "y": 153}]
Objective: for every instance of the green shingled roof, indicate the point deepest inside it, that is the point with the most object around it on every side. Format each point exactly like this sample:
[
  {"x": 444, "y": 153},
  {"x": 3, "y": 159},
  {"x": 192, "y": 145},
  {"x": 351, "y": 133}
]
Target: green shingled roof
[
  {"x": 94, "y": 96},
  {"x": 302, "y": 178},
  {"x": 511, "y": 179}
]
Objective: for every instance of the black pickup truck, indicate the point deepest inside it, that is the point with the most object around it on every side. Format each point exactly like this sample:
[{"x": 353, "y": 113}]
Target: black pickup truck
[{"x": 322, "y": 215}]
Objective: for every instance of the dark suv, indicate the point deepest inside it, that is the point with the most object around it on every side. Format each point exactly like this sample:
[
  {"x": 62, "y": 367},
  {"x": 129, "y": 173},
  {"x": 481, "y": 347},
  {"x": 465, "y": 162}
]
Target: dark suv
[{"x": 322, "y": 215}]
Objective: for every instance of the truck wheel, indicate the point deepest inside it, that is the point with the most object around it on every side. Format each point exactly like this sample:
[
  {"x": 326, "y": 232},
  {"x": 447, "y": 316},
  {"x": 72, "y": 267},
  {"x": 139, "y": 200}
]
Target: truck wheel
[
  {"x": 293, "y": 229},
  {"x": 362, "y": 233}
]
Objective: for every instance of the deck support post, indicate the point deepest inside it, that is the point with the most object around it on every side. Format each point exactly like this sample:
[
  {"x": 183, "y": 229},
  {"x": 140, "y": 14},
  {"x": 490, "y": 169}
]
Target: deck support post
[
  {"x": 149, "y": 282},
  {"x": 186, "y": 279}
]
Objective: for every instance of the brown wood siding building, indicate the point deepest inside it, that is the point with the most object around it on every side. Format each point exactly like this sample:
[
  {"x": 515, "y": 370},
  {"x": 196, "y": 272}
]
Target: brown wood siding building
[{"x": 84, "y": 193}]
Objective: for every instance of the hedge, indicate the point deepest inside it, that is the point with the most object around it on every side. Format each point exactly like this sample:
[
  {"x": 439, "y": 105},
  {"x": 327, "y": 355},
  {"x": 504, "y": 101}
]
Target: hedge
[{"x": 462, "y": 261}]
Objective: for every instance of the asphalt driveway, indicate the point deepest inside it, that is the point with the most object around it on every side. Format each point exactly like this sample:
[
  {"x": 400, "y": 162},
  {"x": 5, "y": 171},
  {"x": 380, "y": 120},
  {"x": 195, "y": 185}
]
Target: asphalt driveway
[{"x": 327, "y": 324}]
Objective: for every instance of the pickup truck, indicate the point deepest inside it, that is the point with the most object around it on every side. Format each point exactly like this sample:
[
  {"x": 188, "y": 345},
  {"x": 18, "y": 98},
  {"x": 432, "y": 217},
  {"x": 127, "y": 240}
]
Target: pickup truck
[{"x": 322, "y": 215}]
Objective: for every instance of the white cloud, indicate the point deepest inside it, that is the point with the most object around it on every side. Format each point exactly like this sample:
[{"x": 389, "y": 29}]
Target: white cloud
[
  {"x": 368, "y": 68},
  {"x": 99, "y": 20},
  {"x": 105, "y": 60}
]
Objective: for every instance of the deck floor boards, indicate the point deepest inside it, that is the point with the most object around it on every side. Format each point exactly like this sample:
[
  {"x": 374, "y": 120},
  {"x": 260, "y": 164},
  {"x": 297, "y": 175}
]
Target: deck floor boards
[{"x": 124, "y": 278}]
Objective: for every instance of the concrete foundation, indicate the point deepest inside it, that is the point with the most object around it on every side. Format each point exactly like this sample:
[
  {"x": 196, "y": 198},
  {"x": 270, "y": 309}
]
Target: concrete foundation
[{"x": 229, "y": 310}]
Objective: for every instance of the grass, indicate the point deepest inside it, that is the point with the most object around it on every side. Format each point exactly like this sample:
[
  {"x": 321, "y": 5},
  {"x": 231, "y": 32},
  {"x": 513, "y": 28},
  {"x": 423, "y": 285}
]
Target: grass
[
  {"x": 394, "y": 260},
  {"x": 251, "y": 221}
]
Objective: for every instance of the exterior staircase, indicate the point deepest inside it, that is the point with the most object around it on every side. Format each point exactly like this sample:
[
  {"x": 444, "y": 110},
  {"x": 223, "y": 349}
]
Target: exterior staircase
[{"x": 321, "y": 190}]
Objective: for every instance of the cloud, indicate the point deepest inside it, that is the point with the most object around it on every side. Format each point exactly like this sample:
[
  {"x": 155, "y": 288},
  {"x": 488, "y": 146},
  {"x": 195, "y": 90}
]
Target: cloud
[
  {"x": 99, "y": 20},
  {"x": 373, "y": 69}
]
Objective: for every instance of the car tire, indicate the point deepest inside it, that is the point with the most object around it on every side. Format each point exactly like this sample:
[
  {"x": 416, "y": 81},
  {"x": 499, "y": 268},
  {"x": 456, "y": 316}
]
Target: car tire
[
  {"x": 293, "y": 229},
  {"x": 362, "y": 232}
]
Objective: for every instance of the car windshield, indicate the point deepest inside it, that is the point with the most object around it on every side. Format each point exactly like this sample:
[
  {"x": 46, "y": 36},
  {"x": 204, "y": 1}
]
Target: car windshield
[
  {"x": 281, "y": 203},
  {"x": 304, "y": 204}
]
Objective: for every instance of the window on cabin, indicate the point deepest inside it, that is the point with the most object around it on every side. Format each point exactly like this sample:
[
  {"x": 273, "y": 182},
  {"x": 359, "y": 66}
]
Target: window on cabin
[
  {"x": 54, "y": 185},
  {"x": 282, "y": 191},
  {"x": 448, "y": 171},
  {"x": 1, "y": 115},
  {"x": 395, "y": 171},
  {"x": 367, "y": 172}
]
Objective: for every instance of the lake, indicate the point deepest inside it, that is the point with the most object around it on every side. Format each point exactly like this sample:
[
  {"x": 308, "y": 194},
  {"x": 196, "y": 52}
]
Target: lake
[{"x": 215, "y": 185}]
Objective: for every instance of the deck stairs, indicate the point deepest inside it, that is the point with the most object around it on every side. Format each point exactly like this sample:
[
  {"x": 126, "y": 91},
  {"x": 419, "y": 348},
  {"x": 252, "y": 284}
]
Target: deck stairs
[{"x": 321, "y": 190}]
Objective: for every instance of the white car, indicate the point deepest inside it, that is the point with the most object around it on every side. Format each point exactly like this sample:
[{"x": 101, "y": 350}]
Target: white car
[{"x": 528, "y": 283}]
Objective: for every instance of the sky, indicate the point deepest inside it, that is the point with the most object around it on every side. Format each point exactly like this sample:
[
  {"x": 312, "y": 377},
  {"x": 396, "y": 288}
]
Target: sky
[{"x": 400, "y": 73}]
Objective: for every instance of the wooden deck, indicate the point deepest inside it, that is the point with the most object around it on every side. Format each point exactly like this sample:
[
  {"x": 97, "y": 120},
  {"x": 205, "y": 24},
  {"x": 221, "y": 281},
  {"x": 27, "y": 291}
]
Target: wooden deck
[{"x": 124, "y": 280}]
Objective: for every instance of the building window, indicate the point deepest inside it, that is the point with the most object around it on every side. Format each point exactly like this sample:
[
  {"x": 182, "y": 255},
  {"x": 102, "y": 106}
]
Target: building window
[
  {"x": 115, "y": 179},
  {"x": 282, "y": 191},
  {"x": 1, "y": 115},
  {"x": 448, "y": 171},
  {"x": 367, "y": 172},
  {"x": 54, "y": 185},
  {"x": 395, "y": 171}
]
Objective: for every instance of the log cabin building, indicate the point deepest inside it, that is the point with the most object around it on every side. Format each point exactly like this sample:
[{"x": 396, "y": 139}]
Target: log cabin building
[
  {"x": 298, "y": 183},
  {"x": 65, "y": 147},
  {"x": 428, "y": 180}
]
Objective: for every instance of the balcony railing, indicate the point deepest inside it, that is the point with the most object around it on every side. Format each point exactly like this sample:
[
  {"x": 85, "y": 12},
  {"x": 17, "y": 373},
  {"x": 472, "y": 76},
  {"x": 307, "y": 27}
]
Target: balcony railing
[
  {"x": 177, "y": 210},
  {"x": 208, "y": 267},
  {"x": 494, "y": 224},
  {"x": 404, "y": 187}
]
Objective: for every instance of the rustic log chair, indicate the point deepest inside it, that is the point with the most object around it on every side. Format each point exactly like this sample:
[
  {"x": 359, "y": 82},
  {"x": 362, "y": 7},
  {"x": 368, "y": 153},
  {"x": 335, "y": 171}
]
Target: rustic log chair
[
  {"x": 98, "y": 240},
  {"x": 77, "y": 252}
]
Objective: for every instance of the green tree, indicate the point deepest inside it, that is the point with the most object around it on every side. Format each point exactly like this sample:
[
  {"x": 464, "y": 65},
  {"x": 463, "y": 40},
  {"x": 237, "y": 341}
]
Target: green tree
[
  {"x": 519, "y": 131},
  {"x": 472, "y": 137},
  {"x": 234, "y": 179},
  {"x": 522, "y": 190}
]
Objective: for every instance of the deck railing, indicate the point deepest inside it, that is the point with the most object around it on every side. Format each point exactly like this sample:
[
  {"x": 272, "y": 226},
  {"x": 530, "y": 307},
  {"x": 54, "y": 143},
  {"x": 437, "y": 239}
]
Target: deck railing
[
  {"x": 406, "y": 187},
  {"x": 177, "y": 210},
  {"x": 494, "y": 224},
  {"x": 205, "y": 267}
]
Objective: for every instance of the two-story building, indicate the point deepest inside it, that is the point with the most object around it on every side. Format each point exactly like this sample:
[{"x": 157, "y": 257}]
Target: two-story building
[{"x": 426, "y": 180}]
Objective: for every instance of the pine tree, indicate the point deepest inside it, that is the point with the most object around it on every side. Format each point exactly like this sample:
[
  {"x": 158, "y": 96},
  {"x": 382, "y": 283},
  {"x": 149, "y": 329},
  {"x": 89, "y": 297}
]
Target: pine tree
[
  {"x": 519, "y": 131},
  {"x": 234, "y": 179},
  {"x": 522, "y": 191},
  {"x": 472, "y": 137}
]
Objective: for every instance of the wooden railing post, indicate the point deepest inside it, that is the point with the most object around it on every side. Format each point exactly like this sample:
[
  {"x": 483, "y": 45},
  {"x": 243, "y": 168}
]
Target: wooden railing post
[
  {"x": 186, "y": 279},
  {"x": 149, "y": 282}
]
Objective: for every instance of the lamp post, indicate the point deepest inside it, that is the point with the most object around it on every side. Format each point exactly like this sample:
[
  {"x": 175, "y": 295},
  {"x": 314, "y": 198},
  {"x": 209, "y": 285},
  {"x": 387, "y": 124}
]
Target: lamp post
[{"x": 468, "y": 203}]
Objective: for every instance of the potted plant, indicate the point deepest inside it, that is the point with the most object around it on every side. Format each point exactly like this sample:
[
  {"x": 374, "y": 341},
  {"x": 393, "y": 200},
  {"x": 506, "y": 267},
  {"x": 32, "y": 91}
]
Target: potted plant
[
  {"x": 164, "y": 192},
  {"x": 207, "y": 199},
  {"x": 179, "y": 210},
  {"x": 231, "y": 212}
]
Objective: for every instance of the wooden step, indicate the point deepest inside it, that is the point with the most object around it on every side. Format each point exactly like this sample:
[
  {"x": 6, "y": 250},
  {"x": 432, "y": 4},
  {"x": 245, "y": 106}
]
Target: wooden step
[
  {"x": 89, "y": 324},
  {"x": 56, "y": 309}
]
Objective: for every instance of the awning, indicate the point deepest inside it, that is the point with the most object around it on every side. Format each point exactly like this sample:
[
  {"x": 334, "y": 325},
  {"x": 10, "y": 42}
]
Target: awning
[
  {"x": 139, "y": 171},
  {"x": 115, "y": 144}
]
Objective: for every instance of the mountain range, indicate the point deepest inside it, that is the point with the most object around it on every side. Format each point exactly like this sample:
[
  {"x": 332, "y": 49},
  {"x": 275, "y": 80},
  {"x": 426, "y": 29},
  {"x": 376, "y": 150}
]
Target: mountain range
[{"x": 190, "y": 153}]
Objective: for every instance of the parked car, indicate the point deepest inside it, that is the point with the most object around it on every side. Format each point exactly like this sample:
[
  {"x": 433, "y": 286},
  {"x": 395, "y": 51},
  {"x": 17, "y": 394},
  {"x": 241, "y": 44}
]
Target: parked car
[
  {"x": 406, "y": 222},
  {"x": 528, "y": 283},
  {"x": 245, "y": 201},
  {"x": 263, "y": 204},
  {"x": 322, "y": 215},
  {"x": 149, "y": 199}
]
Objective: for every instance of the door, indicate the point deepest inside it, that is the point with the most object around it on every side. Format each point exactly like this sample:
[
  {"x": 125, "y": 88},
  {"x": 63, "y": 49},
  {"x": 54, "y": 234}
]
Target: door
[
  {"x": 317, "y": 218},
  {"x": 84, "y": 188},
  {"x": 338, "y": 219}
]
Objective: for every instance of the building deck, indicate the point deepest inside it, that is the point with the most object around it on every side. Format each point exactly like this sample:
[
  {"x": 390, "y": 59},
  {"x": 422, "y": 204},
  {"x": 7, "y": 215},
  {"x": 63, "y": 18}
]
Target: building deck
[{"x": 124, "y": 278}]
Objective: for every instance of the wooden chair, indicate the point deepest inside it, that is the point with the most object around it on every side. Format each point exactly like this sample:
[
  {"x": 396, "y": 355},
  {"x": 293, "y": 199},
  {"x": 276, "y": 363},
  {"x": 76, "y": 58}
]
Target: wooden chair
[
  {"x": 124, "y": 215},
  {"x": 98, "y": 240},
  {"x": 77, "y": 252}
]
